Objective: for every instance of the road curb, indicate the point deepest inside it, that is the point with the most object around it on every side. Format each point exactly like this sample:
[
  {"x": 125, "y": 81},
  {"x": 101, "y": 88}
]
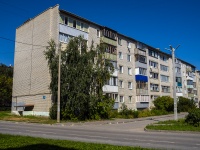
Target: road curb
[{"x": 170, "y": 131}]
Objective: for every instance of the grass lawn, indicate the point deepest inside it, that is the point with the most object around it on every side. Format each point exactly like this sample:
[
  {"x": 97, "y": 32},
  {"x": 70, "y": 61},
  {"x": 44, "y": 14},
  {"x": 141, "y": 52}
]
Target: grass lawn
[
  {"x": 11, "y": 142},
  {"x": 7, "y": 116},
  {"x": 179, "y": 125}
]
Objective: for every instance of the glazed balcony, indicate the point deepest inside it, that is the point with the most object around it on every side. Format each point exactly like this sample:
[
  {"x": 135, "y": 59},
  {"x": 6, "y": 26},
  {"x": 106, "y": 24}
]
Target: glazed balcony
[{"x": 141, "y": 91}]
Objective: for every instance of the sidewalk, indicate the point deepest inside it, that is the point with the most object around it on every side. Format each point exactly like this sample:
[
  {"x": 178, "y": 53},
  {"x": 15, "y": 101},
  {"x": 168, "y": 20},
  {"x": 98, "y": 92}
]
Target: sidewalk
[{"x": 120, "y": 121}]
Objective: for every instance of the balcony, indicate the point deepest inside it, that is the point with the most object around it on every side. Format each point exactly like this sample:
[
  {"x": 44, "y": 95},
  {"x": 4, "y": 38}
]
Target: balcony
[
  {"x": 179, "y": 84},
  {"x": 141, "y": 92},
  {"x": 142, "y": 105},
  {"x": 109, "y": 41},
  {"x": 142, "y": 98},
  {"x": 110, "y": 56},
  {"x": 140, "y": 52},
  {"x": 178, "y": 65},
  {"x": 110, "y": 89},
  {"x": 116, "y": 105},
  {"x": 190, "y": 86},
  {"x": 190, "y": 94},
  {"x": 72, "y": 31}
]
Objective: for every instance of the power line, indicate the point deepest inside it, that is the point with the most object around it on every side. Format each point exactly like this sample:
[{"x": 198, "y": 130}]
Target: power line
[{"x": 20, "y": 42}]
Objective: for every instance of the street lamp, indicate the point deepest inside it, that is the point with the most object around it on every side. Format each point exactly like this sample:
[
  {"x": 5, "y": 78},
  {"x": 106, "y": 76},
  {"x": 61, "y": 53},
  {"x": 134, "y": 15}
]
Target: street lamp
[{"x": 174, "y": 80}]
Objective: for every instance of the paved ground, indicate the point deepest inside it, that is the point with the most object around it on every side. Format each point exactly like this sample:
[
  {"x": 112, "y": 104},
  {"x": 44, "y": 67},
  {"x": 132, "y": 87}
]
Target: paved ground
[{"x": 118, "y": 132}]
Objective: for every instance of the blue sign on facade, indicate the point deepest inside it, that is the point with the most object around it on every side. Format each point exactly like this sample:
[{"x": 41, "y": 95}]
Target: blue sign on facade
[{"x": 43, "y": 97}]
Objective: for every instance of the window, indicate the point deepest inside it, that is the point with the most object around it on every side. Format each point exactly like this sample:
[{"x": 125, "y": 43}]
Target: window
[
  {"x": 129, "y": 71},
  {"x": 129, "y": 85},
  {"x": 120, "y": 55},
  {"x": 109, "y": 34},
  {"x": 177, "y": 61},
  {"x": 119, "y": 41},
  {"x": 141, "y": 46},
  {"x": 164, "y": 78},
  {"x": 74, "y": 23},
  {"x": 128, "y": 44},
  {"x": 128, "y": 58},
  {"x": 98, "y": 33},
  {"x": 81, "y": 26},
  {"x": 141, "y": 59},
  {"x": 66, "y": 20},
  {"x": 153, "y": 54},
  {"x": 165, "y": 89},
  {"x": 112, "y": 81},
  {"x": 154, "y": 87},
  {"x": 189, "y": 82},
  {"x": 121, "y": 99},
  {"x": 121, "y": 84},
  {"x": 153, "y": 64},
  {"x": 114, "y": 63},
  {"x": 163, "y": 58},
  {"x": 178, "y": 79},
  {"x": 153, "y": 75},
  {"x": 164, "y": 68},
  {"x": 141, "y": 85},
  {"x": 111, "y": 49},
  {"x": 62, "y": 18},
  {"x": 143, "y": 71},
  {"x": 177, "y": 69},
  {"x": 120, "y": 69},
  {"x": 130, "y": 99},
  {"x": 64, "y": 37}
]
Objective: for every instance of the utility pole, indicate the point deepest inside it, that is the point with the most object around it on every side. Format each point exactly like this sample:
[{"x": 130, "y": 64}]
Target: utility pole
[
  {"x": 174, "y": 80},
  {"x": 58, "y": 100}
]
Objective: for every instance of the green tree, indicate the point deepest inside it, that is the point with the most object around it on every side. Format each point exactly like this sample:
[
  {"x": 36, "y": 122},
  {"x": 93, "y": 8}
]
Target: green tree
[
  {"x": 6, "y": 74},
  {"x": 193, "y": 117},
  {"x": 165, "y": 103},
  {"x": 185, "y": 104},
  {"x": 83, "y": 74}
]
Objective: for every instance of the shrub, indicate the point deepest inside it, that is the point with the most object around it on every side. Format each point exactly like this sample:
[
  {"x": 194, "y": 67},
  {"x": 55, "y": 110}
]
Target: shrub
[
  {"x": 193, "y": 117},
  {"x": 145, "y": 113},
  {"x": 185, "y": 104},
  {"x": 135, "y": 114},
  {"x": 53, "y": 111},
  {"x": 113, "y": 114},
  {"x": 164, "y": 103},
  {"x": 159, "y": 112}
]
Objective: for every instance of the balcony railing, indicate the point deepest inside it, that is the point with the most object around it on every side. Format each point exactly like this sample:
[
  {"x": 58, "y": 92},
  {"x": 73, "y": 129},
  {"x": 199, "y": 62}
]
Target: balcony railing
[
  {"x": 190, "y": 86},
  {"x": 109, "y": 41},
  {"x": 190, "y": 94},
  {"x": 111, "y": 56},
  {"x": 140, "y": 52},
  {"x": 142, "y": 91}
]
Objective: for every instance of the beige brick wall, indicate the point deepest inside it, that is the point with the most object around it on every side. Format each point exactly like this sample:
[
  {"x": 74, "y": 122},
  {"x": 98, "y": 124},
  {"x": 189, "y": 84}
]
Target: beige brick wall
[
  {"x": 160, "y": 72},
  {"x": 124, "y": 76},
  {"x": 93, "y": 35},
  {"x": 31, "y": 73}
]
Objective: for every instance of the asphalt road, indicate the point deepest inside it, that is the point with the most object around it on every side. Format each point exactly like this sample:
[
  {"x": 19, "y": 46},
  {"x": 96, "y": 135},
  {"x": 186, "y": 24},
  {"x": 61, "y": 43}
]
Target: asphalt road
[{"x": 130, "y": 133}]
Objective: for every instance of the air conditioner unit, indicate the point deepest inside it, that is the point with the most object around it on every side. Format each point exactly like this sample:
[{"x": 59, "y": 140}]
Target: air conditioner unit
[
  {"x": 150, "y": 76},
  {"x": 151, "y": 67}
]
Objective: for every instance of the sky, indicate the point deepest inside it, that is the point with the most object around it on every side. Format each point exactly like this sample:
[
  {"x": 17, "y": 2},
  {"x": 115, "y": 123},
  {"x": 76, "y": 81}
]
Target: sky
[{"x": 158, "y": 23}]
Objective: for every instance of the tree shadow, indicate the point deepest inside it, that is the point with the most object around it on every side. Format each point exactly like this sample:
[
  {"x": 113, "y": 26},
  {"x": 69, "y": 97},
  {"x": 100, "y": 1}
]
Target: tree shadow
[{"x": 40, "y": 147}]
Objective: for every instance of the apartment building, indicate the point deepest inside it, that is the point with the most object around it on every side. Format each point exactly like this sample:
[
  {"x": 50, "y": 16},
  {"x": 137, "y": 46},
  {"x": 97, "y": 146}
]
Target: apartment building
[{"x": 142, "y": 73}]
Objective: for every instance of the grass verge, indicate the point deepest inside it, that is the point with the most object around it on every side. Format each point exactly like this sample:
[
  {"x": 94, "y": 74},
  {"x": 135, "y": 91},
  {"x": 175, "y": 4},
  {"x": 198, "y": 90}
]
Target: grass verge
[
  {"x": 7, "y": 116},
  {"x": 11, "y": 142},
  {"x": 173, "y": 125}
]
